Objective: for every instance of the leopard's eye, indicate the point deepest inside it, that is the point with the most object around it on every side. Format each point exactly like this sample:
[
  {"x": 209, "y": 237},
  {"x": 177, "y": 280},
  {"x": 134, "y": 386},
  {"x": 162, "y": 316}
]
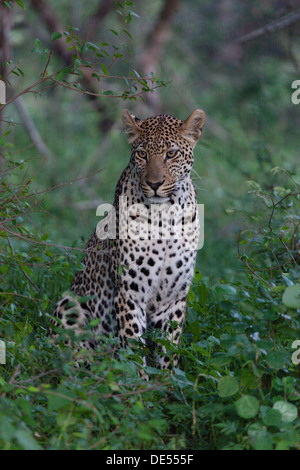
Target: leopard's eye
[
  {"x": 171, "y": 153},
  {"x": 141, "y": 153}
]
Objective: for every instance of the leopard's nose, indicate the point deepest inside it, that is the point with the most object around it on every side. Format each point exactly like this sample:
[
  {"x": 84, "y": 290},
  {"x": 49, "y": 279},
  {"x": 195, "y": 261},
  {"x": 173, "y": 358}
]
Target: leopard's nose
[{"x": 154, "y": 186}]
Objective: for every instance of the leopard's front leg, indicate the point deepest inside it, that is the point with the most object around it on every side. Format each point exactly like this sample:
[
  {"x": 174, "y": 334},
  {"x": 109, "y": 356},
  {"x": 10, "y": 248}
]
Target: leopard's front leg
[
  {"x": 130, "y": 319},
  {"x": 169, "y": 318}
]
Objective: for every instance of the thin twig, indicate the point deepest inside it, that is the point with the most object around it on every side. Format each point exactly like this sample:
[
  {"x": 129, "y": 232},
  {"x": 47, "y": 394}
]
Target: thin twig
[
  {"x": 11, "y": 380},
  {"x": 25, "y": 274},
  {"x": 26, "y": 90},
  {"x": 270, "y": 221},
  {"x": 47, "y": 63},
  {"x": 36, "y": 377},
  {"x": 101, "y": 95},
  {"x": 20, "y": 295},
  {"x": 32, "y": 131},
  {"x": 244, "y": 261},
  {"x": 276, "y": 25}
]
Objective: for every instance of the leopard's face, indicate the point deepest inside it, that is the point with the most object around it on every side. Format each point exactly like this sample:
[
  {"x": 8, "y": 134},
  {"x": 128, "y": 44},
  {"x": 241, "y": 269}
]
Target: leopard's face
[{"x": 162, "y": 151}]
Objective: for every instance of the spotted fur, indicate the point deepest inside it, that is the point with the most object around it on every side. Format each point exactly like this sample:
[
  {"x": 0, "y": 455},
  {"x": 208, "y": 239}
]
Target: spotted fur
[{"x": 135, "y": 285}]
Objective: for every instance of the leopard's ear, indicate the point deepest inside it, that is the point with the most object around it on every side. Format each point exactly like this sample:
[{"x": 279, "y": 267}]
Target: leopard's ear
[
  {"x": 133, "y": 131},
  {"x": 191, "y": 129}
]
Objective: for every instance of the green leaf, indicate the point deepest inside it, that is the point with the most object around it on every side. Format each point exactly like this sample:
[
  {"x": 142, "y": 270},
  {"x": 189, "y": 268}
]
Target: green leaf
[
  {"x": 128, "y": 34},
  {"x": 276, "y": 359},
  {"x": 62, "y": 72},
  {"x": 282, "y": 445},
  {"x": 27, "y": 270},
  {"x": 59, "y": 398},
  {"x": 38, "y": 42},
  {"x": 249, "y": 379},
  {"x": 72, "y": 28},
  {"x": 26, "y": 440},
  {"x": 32, "y": 389},
  {"x": 77, "y": 63},
  {"x": 260, "y": 438},
  {"x": 55, "y": 36},
  {"x": 8, "y": 4},
  {"x": 288, "y": 411},
  {"x": 227, "y": 386},
  {"x": 230, "y": 211},
  {"x": 20, "y": 3},
  {"x": 247, "y": 406},
  {"x": 92, "y": 46},
  {"x": 291, "y": 296},
  {"x": 272, "y": 418},
  {"x": 104, "y": 68},
  {"x": 133, "y": 13},
  {"x": 225, "y": 289}
]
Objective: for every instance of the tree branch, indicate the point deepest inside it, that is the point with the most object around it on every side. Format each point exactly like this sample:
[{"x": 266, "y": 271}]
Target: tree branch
[
  {"x": 160, "y": 33},
  {"x": 5, "y": 27},
  {"x": 276, "y": 25},
  {"x": 53, "y": 24},
  {"x": 32, "y": 131}
]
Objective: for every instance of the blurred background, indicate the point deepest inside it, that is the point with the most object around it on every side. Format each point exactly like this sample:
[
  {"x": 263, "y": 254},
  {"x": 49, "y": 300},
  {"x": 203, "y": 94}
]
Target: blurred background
[{"x": 235, "y": 60}]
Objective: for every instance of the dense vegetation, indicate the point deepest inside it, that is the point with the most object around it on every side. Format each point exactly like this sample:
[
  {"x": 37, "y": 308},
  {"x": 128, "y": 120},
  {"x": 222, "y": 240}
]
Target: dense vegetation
[{"x": 237, "y": 386}]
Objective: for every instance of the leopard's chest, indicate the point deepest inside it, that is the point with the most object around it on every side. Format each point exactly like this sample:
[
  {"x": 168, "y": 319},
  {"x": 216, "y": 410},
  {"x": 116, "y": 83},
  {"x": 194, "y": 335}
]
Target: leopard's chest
[
  {"x": 151, "y": 258},
  {"x": 154, "y": 269}
]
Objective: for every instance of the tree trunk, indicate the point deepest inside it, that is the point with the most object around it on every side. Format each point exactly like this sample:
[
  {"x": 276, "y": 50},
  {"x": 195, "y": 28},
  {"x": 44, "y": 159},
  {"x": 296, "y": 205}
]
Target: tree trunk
[
  {"x": 6, "y": 16},
  {"x": 153, "y": 52}
]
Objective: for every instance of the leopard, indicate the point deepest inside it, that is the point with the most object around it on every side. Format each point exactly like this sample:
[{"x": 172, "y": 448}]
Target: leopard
[{"x": 130, "y": 284}]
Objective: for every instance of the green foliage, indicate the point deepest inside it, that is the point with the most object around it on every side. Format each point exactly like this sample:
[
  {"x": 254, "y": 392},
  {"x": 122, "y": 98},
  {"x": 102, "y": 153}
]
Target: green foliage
[
  {"x": 236, "y": 388},
  {"x": 98, "y": 60}
]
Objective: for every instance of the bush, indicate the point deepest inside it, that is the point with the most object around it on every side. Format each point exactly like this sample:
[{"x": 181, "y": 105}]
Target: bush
[{"x": 237, "y": 386}]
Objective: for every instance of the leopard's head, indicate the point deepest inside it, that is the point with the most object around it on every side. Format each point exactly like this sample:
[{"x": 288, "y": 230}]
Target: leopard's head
[{"x": 162, "y": 151}]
